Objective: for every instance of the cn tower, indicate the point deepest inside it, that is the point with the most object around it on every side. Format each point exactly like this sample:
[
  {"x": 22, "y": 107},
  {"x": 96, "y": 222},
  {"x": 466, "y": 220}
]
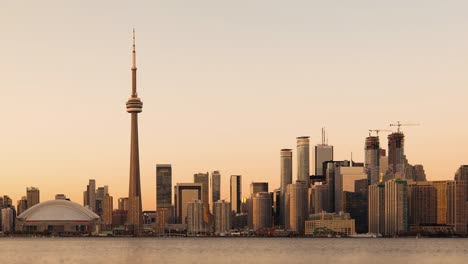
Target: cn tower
[{"x": 134, "y": 106}]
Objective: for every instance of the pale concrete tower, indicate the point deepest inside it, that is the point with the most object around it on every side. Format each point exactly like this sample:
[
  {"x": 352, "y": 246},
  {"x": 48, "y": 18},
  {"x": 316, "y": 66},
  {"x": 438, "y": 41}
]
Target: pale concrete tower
[{"x": 134, "y": 106}]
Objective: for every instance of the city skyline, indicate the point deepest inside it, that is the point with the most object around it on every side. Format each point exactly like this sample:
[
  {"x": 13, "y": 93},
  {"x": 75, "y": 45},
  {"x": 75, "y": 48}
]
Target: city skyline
[{"x": 203, "y": 112}]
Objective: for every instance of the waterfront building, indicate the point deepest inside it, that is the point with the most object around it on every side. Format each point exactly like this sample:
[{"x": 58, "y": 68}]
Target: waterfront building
[
  {"x": 396, "y": 207},
  {"x": 376, "y": 211},
  {"x": 163, "y": 186},
  {"x": 8, "y": 215},
  {"x": 276, "y": 206},
  {"x": 134, "y": 107},
  {"x": 457, "y": 206},
  {"x": 303, "y": 159},
  {"x": 32, "y": 196},
  {"x": 164, "y": 217},
  {"x": 372, "y": 159},
  {"x": 222, "y": 216},
  {"x": 183, "y": 194},
  {"x": 422, "y": 203},
  {"x": 195, "y": 213},
  {"x": 119, "y": 218},
  {"x": 356, "y": 204},
  {"x": 298, "y": 210},
  {"x": 236, "y": 192},
  {"x": 286, "y": 179},
  {"x": 441, "y": 189},
  {"x": 107, "y": 209},
  {"x": 215, "y": 187},
  {"x": 58, "y": 216},
  {"x": 341, "y": 223},
  {"x": 261, "y": 204}
]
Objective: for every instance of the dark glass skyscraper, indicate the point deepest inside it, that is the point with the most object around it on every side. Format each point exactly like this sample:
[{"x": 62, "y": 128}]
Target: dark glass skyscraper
[{"x": 163, "y": 186}]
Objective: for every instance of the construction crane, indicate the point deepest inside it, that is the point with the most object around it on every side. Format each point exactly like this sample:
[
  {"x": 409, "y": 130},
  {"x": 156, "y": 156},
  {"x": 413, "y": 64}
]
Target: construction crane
[
  {"x": 398, "y": 124},
  {"x": 377, "y": 131}
]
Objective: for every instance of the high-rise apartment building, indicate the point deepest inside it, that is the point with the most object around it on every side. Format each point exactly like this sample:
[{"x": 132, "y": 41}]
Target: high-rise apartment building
[
  {"x": 457, "y": 206},
  {"x": 376, "y": 202},
  {"x": 204, "y": 179},
  {"x": 396, "y": 207},
  {"x": 163, "y": 186},
  {"x": 396, "y": 154},
  {"x": 215, "y": 187},
  {"x": 303, "y": 159},
  {"x": 8, "y": 215},
  {"x": 107, "y": 209},
  {"x": 222, "y": 216},
  {"x": 286, "y": 179},
  {"x": 236, "y": 193},
  {"x": 183, "y": 194},
  {"x": 33, "y": 197},
  {"x": 195, "y": 213},
  {"x": 422, "y": 203},
  {"x": 297, "y": 197},
  {"x": 372, "y": 159},
  {"x": 22, "y": 205},
  {"x": 261, "y": 211},
  {"x": 89, "y": 198},
  {"x": 441, "y": 189}
]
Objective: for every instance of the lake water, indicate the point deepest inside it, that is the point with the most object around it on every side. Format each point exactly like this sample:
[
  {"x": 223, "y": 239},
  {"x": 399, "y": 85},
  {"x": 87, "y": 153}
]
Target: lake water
[{"x": 233, "y": 250}]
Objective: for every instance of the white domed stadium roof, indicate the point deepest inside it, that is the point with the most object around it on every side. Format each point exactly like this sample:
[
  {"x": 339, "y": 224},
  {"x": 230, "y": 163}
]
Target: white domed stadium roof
[{"x": 58, "y": 210}]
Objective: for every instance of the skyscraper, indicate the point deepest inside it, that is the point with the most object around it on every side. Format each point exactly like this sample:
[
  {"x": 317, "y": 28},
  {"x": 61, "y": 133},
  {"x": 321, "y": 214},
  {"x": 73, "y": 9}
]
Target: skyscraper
[
  {"x": 134, "y": 106},
  {"x": 183, "y": 194},
  {"x": 195, "y": 222},
  {"x": 22, "y": 205},
  {"x": 297, "y": 206},
  {"x": 261, "y": 213},
  {"x": 372, "y": 159},
  {"x": 345, "y": 178},
  {"x": 203, "y": 179},
  {"x": 303, "y": 159},
  {"x": 457, "y": 206},
  {"x": 163, "y": 186},
  {"x": 376, "y": 203},
  {"x": 215, "y": 187},
  {"x": 396, "y": 154},
  {"x": 222, "y": 216},
  {"x": 32, "y": 194},
  {"x": 286, "y": 178},
  {"x": 396, "y": 207},
  {"x": 236, "y": 193},
  {"x": 89, "y": 196},
  {"x": 422, "y": 203},
  {"x": 323, "y": 152}
]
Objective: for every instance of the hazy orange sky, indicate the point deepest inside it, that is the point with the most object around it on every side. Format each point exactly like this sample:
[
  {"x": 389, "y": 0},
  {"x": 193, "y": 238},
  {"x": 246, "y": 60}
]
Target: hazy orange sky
[{"x": 225, "y": 86}]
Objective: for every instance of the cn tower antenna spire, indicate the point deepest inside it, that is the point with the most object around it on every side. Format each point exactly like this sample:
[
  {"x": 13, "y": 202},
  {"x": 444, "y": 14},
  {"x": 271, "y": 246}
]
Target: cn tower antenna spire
[{"x": 134, "y": 68}]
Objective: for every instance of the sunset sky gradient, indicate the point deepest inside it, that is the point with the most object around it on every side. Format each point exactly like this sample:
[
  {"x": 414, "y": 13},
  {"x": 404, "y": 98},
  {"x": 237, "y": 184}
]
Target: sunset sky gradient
[{"x": 225, "y": 85}]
